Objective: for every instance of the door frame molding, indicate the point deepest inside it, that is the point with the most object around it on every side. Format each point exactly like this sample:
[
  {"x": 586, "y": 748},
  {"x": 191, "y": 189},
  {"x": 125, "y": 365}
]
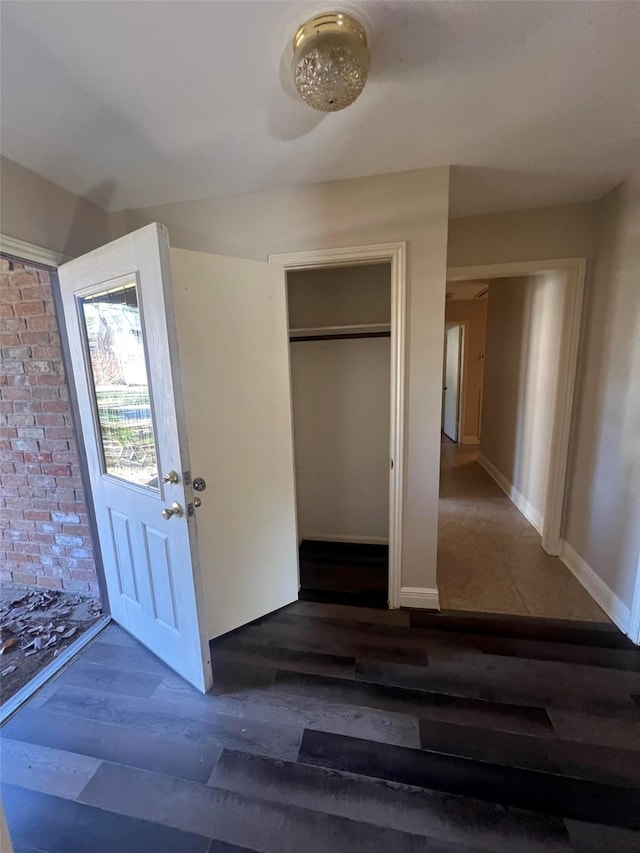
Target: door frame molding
[
  {"x": 633, "y": 630},
  {"x": 574, "y": 270},
  {"x": 395, "y": 254},
  {"x": 21, "y": 250}
]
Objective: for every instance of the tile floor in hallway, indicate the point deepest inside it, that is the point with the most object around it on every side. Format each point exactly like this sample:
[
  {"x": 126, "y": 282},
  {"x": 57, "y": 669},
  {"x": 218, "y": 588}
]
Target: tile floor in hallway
[{"x": 489, "y": 556}]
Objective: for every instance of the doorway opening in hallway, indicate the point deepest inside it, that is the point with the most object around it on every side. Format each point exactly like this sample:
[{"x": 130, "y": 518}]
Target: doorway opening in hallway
[{"x": 503, "y": 378}]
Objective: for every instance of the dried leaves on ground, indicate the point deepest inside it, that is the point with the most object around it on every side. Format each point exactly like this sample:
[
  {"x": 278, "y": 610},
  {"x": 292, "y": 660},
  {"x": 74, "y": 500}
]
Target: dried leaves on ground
[{"x": 35, "y": 626}]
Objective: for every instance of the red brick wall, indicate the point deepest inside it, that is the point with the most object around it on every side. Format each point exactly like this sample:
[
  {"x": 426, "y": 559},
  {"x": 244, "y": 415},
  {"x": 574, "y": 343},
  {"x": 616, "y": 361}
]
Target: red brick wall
[{"x": 43, "y": 518}]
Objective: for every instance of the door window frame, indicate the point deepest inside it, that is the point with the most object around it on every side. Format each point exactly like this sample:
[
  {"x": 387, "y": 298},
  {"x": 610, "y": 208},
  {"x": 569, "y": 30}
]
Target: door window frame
[{"x": 80, "y": 295}]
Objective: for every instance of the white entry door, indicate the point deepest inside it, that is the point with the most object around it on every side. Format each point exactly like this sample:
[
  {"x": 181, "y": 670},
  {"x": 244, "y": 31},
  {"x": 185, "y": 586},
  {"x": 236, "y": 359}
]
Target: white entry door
[
  {"x": 118, "y": 309},
  {"x": 451, "y": 391}
]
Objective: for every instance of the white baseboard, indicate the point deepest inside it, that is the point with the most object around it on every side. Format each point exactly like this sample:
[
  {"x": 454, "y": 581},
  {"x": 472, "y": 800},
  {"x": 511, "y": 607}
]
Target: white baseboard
[
  {"x": 470, "y": 439},
  {"x": 338, "y": 537},
  {"x": 530, "y": 512},
  {"x": 615, "y": 609},
  {"x": 417, "y": 596}
]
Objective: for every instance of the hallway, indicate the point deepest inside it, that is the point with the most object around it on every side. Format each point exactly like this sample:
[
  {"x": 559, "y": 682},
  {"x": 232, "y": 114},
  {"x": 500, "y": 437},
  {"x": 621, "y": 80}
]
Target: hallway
[{"x": 489, "y": 556}]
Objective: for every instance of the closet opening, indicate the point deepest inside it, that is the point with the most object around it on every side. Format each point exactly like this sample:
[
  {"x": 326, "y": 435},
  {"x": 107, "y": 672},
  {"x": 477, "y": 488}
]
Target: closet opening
[{"x": 341, "y": 379}]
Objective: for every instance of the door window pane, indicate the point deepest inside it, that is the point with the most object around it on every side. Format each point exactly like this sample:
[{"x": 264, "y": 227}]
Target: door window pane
[{"x": 121, "y": 386}]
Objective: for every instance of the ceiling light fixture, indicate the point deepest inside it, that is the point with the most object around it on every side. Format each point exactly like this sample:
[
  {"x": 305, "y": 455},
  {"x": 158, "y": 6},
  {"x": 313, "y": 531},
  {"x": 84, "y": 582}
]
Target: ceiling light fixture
[{"x": 330, "y": 61}]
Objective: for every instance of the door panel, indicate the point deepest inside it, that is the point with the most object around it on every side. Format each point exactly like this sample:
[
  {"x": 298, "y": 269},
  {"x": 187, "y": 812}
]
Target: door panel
[
  {"x": 119, "y": 316},
  {"x": 452, "y": 382},
  {"x": 232, "y": 323}
]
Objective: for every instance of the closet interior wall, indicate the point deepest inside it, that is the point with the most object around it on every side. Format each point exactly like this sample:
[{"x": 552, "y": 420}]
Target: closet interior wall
[{"x": 339, "y": 321}]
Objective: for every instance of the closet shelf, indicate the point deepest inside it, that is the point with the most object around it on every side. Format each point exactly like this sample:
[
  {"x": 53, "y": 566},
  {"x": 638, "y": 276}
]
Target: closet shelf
[{"x": 359, "y": 330}]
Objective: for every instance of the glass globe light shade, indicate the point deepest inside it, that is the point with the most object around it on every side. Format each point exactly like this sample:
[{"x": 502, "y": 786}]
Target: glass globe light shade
[{"x": 330, "y": 61}]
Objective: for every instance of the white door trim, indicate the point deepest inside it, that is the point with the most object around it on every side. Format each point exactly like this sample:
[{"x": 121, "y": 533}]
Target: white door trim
[
  {"x": 395, "y": 254},
  {"x": 575, "y": 272},
  {"x": 30, "y": 252},
  {"x": 633, "y": 630}
]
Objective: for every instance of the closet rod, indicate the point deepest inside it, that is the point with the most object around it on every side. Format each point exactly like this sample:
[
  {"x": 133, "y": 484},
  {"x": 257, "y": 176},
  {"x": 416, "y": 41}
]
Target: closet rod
[{"x": 339, "y": 337}]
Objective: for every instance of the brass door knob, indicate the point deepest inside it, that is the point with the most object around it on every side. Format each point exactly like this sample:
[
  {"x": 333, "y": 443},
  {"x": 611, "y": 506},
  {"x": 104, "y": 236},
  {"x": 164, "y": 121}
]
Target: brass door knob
[{"x": 169, "y": 512}]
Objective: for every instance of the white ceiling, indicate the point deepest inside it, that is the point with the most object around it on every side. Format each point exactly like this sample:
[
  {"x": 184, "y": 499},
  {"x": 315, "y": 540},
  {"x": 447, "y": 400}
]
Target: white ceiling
[{"x": 140, "y": 103}]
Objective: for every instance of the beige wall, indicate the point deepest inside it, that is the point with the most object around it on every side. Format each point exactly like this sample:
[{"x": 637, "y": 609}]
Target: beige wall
[
  {"x": 339, "y": 296},
  {"x": 406, "y": 206},
  {"x": 473, "y": 312},
  {"x": 520, "y": 378},
  {"x": 36, "y": 211},
  {"x": 565, "y": 231},
  {"x": 603, "y": 511}
]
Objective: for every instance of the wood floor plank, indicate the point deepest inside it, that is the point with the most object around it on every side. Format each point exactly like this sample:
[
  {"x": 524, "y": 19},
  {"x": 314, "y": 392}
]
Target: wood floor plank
[
  {"x": 116, "y": 635},
  {"x": 56, "y": 825},
  {"x": 623, "y": 659},
  {"x": 44, "y": 694},
  {"x": 111, "y": 678},
  {"x": 41, "y": 768},
  {"x": 175, "y": 756},
  {"x": 129, "y": 658},
  {"x": 528, "y": 789},
  {"x": 458, "y": 820},
  {"x": 592, "y": 838},
  {"x": 230, "y": 676},
  {"x": 352, "y": 639},
  {"x": 249, "y": 821},
  {"x": 582, "y": 761},
  {"x": 299, "y": 712},
  {"x": 400, "y": 618},
  {"x": 356, "y": 598},
  {"x": 599, "y": 634},
  {"x": 526, "y": 682},
  {"x": 242, "y": 652},
  {"x": 505, "y": 748},
  {"x": 454, "y": 706},
  {"x": 414, "y": 702},
  {"x": 170, "y": 718},
  {"x": 615, "y": 732}
]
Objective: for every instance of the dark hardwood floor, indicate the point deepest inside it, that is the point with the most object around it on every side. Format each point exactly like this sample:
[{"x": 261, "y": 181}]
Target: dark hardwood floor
[
  {"x": 344, "y": 573},
  {"x": 335, "y": 729}
]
